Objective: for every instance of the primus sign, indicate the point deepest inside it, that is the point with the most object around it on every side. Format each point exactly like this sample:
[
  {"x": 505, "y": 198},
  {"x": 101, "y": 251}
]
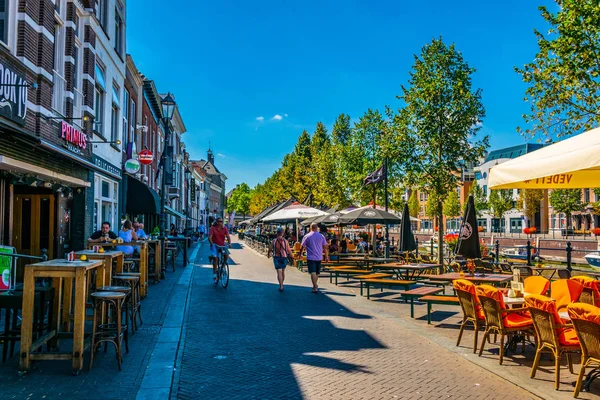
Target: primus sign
[
  {"x": 74, "y": 138},
  {"x": 13, "y": 95}
]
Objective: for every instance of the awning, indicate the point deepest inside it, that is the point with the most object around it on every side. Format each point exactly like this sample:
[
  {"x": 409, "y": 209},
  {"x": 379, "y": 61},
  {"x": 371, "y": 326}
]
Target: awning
[
  {"x": 176, "y": 213},
  {"x": 141, "y": 199},
  {"x": 573, "y": 163}
]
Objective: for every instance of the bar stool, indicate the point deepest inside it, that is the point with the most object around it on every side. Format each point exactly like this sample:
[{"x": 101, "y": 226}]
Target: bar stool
[
  {"x": 127, "y": 304},
  {"x": 132, "y": 281},
  {"x": 107, "y": 306}
]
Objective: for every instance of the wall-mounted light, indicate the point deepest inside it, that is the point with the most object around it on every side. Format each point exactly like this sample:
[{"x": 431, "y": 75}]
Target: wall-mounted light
[{"x": 117, "y": 142}]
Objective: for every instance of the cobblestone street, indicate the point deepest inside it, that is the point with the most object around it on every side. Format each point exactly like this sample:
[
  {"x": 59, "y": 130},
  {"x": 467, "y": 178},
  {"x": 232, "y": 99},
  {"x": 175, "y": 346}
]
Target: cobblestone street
[{"x": 251, "y": 342}]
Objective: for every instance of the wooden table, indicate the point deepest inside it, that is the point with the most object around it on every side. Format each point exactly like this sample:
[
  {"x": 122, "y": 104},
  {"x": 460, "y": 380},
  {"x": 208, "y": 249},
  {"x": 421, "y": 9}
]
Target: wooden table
[
  {"x": 369, "y": 260},
  {"x": 540, "y": 270},
  {"x": 185, "y": 246},
  {"x": 143, "y": 245},
  {"x": 108, "y": 257},
  {"x": 487, "y": 278},
  {"x": 157, "y": 258},
  {"x": 58, "y": 270},
  {"x": 411, "y": 269}
]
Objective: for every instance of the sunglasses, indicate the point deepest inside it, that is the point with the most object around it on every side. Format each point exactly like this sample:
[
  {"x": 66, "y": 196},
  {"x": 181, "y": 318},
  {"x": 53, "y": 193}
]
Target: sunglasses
[{"x": 220, "y": 220}]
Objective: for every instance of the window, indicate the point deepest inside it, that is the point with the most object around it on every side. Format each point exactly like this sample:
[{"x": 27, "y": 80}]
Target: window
[
  {"x": 586, "y": 196},
  {"x": 126, "y": 133},
  {"x": 101, "y": 12},
  {"x": 58, "y": 93},
  {"x": 119, "y": 40},
  {"x": 4, "y": 21},
  {"x": 485, "y": 190},
  {"x": 114, "y": 128},
  {"x": 99, "y": 101},
  {"x": 132, "y": 118}
]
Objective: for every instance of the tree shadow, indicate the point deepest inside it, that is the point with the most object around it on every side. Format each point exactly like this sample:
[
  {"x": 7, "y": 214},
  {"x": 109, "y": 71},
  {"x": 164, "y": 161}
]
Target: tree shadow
[{"x": 258, "y": 338}]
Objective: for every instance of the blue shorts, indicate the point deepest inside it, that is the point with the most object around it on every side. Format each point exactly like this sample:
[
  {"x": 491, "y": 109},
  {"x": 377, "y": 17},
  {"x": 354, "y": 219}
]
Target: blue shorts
[
  {"x": 313, "y": 267},
  {"x": 213, "y": 250},
  {"x": 280, "y": 262}
]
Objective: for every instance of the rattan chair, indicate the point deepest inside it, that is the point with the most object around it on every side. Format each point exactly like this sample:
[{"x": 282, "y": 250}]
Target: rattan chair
[
  {"x": 499, "y": 319},
  {"x": 586, "y": 321},
  {"x": 565, "y": 292},
  {"x": 551, "y": 334},
  {"x": 591, "y": 290},
  {"x": 471, "y": 308},
  {"x": 536, "y": 285}
]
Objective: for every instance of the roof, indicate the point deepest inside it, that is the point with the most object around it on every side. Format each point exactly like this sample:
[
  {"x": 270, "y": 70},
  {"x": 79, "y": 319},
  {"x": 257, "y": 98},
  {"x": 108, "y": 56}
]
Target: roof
[
  {"x": 151, "y": 95},
  {"x": 513, "y": 151},
  {"x": 209, "y": 167}
]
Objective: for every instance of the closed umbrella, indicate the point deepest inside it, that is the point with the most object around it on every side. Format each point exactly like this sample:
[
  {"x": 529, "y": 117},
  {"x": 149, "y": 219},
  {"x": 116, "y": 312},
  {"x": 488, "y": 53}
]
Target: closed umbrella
[
  {"x": 468, "y": 237},
  {"x": 407, "y": 239}
]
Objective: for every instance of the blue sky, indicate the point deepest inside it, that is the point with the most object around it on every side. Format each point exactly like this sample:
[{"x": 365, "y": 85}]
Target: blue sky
[{"x": 294, "y": 63}]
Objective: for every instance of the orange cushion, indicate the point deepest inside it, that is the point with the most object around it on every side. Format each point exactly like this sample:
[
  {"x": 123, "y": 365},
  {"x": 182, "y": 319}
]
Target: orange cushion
[
  {"x": 590, "y": 283},
  {"x": 536, "y": 285},
  {"x": 584, "y": 311},
  {"x": 515, "y": 320},
  {"x": 543, "y": 303},
  {"x": 469, "y": 287},
  {"x": 568, "y": 337},
  {"x": 565, "y": 292},
  {"x": 492, "y": 292}
]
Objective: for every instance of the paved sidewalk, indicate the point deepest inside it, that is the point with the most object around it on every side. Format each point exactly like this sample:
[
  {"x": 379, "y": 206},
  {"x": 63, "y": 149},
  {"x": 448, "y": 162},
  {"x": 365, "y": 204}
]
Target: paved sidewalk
[
  {"x": 53, "y": 379},
  {"x": 251, "y": 342}
]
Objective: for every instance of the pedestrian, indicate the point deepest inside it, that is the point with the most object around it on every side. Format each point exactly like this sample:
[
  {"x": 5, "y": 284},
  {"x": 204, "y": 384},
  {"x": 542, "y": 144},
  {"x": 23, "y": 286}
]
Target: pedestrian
[
  {"x": 201, "y": 230},
  {"x": 315, "y": 245},
  {"x": 280, "y": 249}
]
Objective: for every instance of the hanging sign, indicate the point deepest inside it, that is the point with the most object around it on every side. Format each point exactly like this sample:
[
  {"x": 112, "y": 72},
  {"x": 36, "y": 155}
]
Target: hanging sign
[
  {"x": 132, "y": 166},
  {"x": 13, "y": 94},
  {"x": 75, "y": 140},
  {"x": 145, "y": 157}
]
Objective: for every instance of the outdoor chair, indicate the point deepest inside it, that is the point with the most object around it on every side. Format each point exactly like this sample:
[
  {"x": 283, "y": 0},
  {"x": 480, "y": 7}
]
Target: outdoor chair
[
  {"x": 591, "y": 290},
  {"x": 525, "y": 270},
  {"x": 425, "y": 258},
  {"x": 297, "y": 248},
  {"x": 499, "y": 319},
  {"x": 471, "y": 308},
  {"x": 536, "y": 285},
  {"x": 564, "y": 273},
  {"x": 586, "y": 321},
  {"x": 551, "y": 334},
  {"x": 565, "y": 292}
]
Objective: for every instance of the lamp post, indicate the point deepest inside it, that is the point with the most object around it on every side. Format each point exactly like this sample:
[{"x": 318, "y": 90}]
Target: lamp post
[
  {"x": 168, "y": 108},
  {"x": 188, "y": 204}
]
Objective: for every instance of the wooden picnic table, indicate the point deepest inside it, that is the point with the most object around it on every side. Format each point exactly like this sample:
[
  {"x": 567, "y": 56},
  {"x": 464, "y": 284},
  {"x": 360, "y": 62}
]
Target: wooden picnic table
[
  {"x": 411, "y": 269},
  {"x": 477, "y": 278},
  {"x": 370, "y": 260},
  {"x": 143, "y": 245},
  {"x": 107, "y": 257},
  {"x": 58, "y": 270}
]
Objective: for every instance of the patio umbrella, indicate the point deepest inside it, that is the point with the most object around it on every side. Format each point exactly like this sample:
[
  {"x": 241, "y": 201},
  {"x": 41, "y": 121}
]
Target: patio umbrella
[
  {"x": 572, "y": 163},
  {"x": 292, "y": 213},
  {"x": 368, "y": 215},
  {"x": 407, "y": 239},
  {"x": 468, "y": 239}
]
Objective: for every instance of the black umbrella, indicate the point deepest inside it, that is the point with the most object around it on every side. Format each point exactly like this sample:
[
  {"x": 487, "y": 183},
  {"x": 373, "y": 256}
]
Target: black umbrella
[
  {"x": 468, "y": 239},
  {"x": 366, "y": 216},
  {"x": 407, "y": 239}
]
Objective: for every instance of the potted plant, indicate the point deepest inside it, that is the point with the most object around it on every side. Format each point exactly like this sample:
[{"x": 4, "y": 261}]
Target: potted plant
[{"x": 155, "y": 233}]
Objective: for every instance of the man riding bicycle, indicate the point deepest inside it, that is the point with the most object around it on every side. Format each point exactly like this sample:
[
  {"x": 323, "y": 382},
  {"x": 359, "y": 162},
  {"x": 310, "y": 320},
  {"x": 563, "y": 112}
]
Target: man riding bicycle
[{"x": 216, "y": 237}]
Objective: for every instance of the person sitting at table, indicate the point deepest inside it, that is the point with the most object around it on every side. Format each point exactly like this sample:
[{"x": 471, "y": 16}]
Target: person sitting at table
[
  {"x": 173, "y": 231},
  {"x": 138, "y": 227},
  {"x": 344, "y": 245},
  {"x": 333, "y": 248},
  {"x": 103, "y": 235},
  {"x": 360, "y": 245},
  {"x": 128, "y": 235}
]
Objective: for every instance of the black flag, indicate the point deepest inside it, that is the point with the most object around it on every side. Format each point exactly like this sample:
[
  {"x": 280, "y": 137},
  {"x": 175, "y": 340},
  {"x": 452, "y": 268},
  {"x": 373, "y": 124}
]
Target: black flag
[
  {"x": 375, "y": 177},
  {"x": 468, "y": 237}
]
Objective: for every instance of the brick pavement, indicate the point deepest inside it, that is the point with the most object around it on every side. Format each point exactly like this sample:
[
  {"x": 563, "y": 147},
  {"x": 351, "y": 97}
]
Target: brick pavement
[
  {"x": 53, "y": 379},
  {"x": 251, "y": 342}
]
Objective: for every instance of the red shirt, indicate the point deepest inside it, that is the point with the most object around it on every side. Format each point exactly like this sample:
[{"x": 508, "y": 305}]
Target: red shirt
[{"x": 218, "y": 235}]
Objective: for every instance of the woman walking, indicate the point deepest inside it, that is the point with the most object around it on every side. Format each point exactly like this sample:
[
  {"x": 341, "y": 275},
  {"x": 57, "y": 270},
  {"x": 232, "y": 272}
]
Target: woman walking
[{"x": 280, "y": 249}]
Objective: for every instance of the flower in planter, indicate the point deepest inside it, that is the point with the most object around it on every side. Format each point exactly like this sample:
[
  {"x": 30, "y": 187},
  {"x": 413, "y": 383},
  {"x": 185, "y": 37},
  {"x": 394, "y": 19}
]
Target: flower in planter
[
  {"x": 480, "y": 229},
  {"x": 527, "y": 231},
  {"x": 596, "y": 231}
]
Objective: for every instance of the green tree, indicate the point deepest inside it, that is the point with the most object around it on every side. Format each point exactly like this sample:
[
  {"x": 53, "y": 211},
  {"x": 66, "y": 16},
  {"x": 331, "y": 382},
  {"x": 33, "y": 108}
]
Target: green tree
[
  {"x": 452, "y": 205},
  {"x": 414, "y": 206},
  {"x": 529, "y": 202},
  {"x": 564, "y": 89},
  {"x": 441, "y": 117},
  {"x": 566, "y": 201},
  {"x": 240, "y": 200},
  {"x": 500, "y": 202},
  {"x": 431, "y": 206},
  {"x": 481, "y": 202}
]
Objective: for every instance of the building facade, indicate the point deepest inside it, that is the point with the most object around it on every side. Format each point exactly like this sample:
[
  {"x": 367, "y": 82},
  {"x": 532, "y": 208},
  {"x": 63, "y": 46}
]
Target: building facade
[{"x": 215, "y": 187}]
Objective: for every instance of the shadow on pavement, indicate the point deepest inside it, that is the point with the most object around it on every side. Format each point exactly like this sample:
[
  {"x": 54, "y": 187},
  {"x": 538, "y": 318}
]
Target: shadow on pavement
[{"x": 250, "y": 340}]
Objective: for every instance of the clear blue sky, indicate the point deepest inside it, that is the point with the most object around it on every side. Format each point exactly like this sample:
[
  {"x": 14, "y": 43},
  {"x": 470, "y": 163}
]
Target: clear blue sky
[{"x": 249, "y": 76}]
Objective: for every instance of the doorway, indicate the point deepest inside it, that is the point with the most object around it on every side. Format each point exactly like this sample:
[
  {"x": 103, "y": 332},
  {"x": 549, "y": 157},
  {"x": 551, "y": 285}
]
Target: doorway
[{"x": 34, "y": 224}]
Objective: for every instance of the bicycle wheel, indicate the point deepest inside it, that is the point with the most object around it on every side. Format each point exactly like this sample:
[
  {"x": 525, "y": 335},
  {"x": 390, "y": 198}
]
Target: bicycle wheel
[{"x": 224, "y": 273}]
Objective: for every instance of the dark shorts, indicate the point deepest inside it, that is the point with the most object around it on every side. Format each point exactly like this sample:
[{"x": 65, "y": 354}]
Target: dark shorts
[
  {"x": 313, "y": 266},
  {"x": 280, "y": 262}
]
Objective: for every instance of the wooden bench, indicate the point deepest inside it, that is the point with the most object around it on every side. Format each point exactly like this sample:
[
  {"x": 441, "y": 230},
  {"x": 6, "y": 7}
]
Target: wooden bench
[
  {"x": 439, "y": 299},
  {"x": 417, "y": 293},
  {"x": 440, "y": 284},
  {"x": 347, "y": 272},
  {"x": 384, "y": 282},
  {"x": 377, "y": 275}
]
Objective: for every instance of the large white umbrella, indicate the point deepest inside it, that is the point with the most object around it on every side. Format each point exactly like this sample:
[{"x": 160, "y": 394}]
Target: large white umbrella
[
  {"x": 380, "y": 208},
  {"x": 292, "y": 213},
  {"x": 573, "y": 163}
]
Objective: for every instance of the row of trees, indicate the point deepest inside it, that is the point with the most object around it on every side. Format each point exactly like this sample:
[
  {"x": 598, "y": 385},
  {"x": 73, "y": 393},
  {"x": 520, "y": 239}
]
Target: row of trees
[{"x": 432, "y": 135}]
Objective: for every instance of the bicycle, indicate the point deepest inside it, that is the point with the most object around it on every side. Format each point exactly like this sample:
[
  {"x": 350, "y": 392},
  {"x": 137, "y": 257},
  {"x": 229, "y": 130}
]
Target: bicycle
[{"x": 222, "y": 268}]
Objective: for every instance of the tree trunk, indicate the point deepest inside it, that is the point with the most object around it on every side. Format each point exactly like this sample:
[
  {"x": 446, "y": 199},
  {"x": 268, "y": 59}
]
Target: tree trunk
[{"x": 440, "y": 234}]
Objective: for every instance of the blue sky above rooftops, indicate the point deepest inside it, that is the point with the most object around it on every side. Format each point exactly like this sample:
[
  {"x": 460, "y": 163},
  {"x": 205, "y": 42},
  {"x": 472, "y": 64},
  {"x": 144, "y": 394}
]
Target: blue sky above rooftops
[{"x": 250, "y": 76}]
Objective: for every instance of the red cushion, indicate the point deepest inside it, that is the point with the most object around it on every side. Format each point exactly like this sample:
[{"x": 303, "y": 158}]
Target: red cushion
[
  {"x": 568, "y": 337},
  {"x": 515, "y": 320}
]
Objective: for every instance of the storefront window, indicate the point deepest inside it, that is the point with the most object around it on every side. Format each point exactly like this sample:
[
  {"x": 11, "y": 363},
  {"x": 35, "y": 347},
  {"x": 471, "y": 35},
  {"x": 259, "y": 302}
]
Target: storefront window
[{"x": 106, "y": 203}]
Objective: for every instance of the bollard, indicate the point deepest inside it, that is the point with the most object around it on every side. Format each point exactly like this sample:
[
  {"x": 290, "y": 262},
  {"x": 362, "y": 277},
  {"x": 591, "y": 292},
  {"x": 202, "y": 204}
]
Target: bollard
[
  {"x": 417, "y": 245},
  {"x": 497, "y": 250},
  {"x": 569, "y": 249},
  {"x": 529, "y": 253}
]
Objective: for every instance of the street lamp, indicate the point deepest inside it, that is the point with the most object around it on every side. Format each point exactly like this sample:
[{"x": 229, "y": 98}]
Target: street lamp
[
  {"x": 168, "y": 108},
  {"x": 187, "y": 175}
]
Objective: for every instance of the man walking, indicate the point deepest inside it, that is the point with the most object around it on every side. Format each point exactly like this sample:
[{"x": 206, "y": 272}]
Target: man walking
[{"x": 315, "y": 245}]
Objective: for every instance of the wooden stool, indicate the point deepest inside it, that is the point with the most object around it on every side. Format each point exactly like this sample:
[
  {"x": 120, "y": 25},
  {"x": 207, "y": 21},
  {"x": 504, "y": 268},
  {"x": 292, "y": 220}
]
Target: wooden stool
[
  {"x": 107, "y": 306},
  {"x": 128, "y": 303},
  {"x": 132, "y": 281}
]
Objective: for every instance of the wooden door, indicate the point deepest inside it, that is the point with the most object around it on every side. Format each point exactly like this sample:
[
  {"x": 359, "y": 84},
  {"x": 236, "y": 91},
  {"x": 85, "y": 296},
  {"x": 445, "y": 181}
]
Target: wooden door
[{"x": 34, "y": 224}]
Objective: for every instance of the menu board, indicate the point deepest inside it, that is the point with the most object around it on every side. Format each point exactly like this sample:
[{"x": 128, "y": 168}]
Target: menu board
[{"x": 6, "y": 268}]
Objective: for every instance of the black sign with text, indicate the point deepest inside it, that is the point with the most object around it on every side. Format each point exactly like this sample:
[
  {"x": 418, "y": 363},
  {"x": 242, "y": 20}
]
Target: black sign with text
[{"x": 13, "y": 94}]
